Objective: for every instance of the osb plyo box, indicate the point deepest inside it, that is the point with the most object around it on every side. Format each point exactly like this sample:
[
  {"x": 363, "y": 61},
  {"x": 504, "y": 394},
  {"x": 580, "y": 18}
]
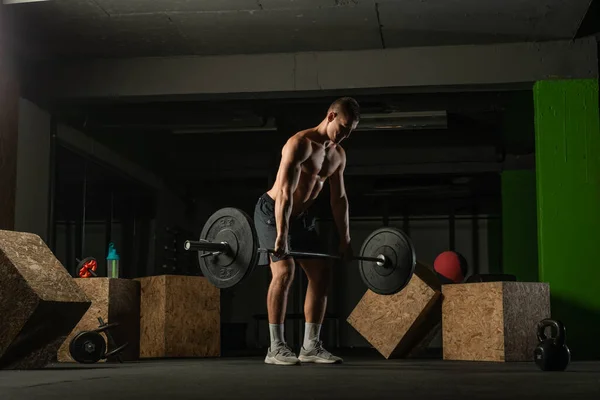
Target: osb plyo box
[
  {"x": 398, "y": 325},
  {"x": 493, "y": 321},
  {"x": 180, "y": 317}
]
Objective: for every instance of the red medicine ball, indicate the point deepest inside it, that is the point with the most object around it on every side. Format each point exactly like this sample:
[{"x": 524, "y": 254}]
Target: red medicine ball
[{"x": 452, "y": 266}]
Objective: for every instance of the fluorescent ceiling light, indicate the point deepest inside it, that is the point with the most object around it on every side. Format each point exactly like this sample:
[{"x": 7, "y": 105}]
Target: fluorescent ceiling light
[
  {"x": 269, "y": 126},
  {"x": 21, "y": 1},
  {"x": 368, "y": 122},
  {"x": 404, "y": 120}
]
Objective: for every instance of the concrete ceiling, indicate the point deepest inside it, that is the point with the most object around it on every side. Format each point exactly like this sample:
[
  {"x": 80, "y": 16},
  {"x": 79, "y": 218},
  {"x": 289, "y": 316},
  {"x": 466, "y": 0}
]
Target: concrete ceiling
[{"x": 133, "y": 28}]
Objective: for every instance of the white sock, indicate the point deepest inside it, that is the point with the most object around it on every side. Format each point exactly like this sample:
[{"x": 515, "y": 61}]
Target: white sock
[
  {"x": 311, "y": 335},
  {"x": 276, "y": 332}
]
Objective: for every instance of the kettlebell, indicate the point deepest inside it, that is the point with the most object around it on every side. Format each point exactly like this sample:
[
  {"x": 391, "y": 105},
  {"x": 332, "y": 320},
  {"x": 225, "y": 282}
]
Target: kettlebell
[{"x": 552, "y": 353}]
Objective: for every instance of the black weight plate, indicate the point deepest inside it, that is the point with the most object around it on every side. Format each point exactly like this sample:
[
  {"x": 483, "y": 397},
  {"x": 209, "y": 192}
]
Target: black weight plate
[
  {"x": 400, "y": 253},
  {"x": 87, "y": 347},
  {"x": 235, "y": 227}
]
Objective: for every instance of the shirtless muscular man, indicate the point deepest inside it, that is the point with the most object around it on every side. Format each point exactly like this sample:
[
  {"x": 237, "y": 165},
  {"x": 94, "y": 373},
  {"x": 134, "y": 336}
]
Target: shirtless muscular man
[{"x": 283, "y": 222}]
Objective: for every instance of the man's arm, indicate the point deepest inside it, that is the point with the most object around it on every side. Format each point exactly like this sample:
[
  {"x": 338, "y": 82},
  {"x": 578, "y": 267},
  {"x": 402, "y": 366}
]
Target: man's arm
[
  {"x": 339, "y": 201},
  {"x": 294, "y": 153}
]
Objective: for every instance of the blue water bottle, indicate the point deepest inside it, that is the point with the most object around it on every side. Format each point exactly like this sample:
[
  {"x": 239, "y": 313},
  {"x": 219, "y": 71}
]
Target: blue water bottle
[{"x": 112, "y": 262}]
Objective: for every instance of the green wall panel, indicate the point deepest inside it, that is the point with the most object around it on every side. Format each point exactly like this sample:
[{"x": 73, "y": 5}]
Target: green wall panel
[{"x": 568, "y": 197}]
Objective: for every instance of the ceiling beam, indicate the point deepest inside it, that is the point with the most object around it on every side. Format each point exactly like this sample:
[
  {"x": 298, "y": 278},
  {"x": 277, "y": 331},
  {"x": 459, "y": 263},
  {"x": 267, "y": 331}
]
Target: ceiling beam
[
  {"x": 348, "y": 71},
  {"x": 88, "y": 147}
]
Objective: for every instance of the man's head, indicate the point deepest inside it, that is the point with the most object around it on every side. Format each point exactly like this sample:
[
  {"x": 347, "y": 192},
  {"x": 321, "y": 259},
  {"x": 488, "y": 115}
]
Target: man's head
[{"x": 342, "y": 118}]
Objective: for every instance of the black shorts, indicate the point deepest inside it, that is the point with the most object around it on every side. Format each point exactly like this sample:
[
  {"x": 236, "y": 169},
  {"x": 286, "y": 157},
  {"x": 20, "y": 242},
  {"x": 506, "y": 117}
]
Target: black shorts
[{"x": 302, "y": 234}]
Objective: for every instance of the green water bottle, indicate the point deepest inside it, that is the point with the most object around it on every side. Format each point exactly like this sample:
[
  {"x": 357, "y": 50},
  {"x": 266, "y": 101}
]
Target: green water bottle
[{"x": 112, "y": 262}]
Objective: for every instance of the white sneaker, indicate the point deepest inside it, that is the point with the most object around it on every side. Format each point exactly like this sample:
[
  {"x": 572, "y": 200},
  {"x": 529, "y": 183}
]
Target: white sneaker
[
  {"x": 281, "y": 355},
  {"x": 318, "y": 355}
]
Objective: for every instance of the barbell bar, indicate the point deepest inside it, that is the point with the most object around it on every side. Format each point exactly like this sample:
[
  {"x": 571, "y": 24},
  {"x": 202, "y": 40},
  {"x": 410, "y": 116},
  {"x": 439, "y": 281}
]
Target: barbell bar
[
  {"x": 228, "y": 252},
  {"x": 217, "y": 248}
]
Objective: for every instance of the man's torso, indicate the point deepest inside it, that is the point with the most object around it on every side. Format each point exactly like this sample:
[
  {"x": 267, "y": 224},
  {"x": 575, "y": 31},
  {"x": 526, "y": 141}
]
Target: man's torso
[{"x": 315, "y": 170}]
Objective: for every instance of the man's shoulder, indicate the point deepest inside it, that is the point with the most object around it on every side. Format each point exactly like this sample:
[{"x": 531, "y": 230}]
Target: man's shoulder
[
  {"x": 297, "y": 147},
  {"x": 341, "y": 152},
  {"x": 298, "y": 141}
]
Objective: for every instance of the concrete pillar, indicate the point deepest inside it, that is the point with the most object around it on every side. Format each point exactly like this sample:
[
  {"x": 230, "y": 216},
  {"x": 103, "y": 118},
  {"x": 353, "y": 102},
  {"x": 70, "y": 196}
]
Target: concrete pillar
[{"x": 9, "y": 129}]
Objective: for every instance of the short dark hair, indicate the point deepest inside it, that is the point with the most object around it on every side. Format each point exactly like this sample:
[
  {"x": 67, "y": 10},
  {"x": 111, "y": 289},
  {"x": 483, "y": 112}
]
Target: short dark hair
[{"x": 348, "y": 105}]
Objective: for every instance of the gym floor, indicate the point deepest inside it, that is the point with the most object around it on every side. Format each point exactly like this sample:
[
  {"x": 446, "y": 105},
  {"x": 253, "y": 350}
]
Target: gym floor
[{"x": 248, "y": 378}]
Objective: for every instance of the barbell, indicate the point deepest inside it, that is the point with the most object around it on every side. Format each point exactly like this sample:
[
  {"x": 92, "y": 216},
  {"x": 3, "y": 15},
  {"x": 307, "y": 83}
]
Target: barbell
[{"x": 228, "y": 252}]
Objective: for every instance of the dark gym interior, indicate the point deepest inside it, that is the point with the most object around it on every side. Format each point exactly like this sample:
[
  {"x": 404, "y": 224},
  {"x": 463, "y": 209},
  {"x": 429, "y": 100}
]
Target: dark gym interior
[{"x": 129, "y": 123}]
